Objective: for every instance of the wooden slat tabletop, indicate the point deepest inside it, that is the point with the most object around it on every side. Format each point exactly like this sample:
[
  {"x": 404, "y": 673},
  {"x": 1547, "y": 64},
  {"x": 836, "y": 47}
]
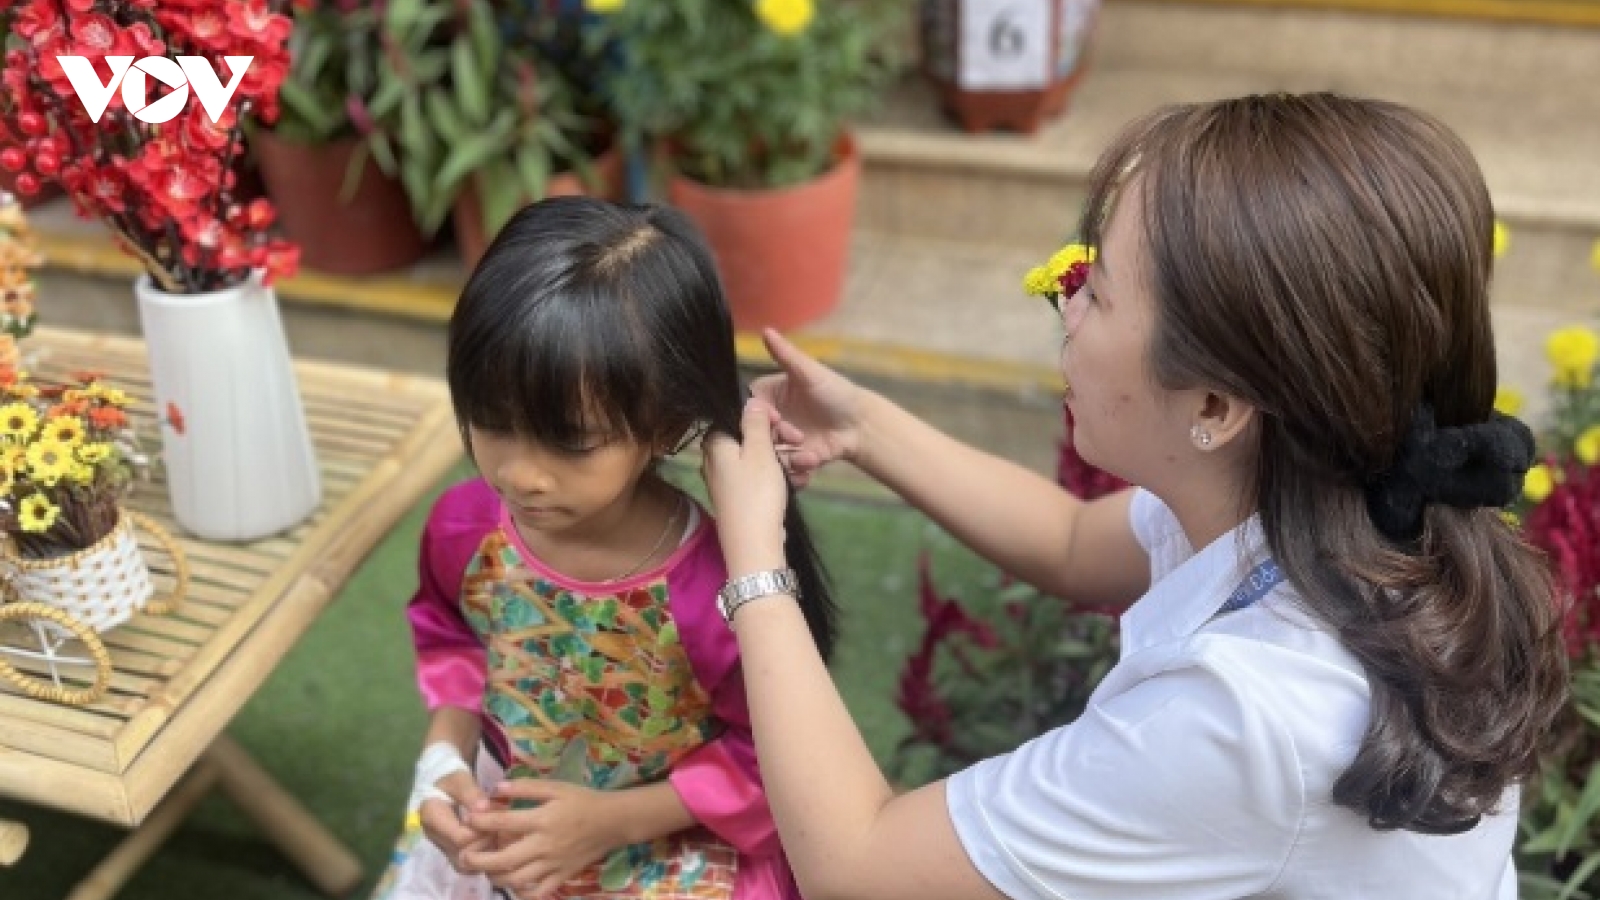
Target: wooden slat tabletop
[{"x": 382, "y": 440}]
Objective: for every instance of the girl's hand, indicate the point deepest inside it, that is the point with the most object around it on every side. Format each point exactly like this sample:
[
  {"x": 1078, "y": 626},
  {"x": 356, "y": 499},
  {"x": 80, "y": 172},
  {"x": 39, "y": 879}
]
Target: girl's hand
[
  {"x": 443, "y": 825},
  {"x": 542, "y": 848},
  {"x": 819, "y": 410},
  {"x": 748, "y": 494}
]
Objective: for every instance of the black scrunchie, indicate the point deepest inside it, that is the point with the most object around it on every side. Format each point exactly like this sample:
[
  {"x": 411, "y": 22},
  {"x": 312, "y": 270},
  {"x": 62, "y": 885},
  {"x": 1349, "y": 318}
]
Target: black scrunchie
[{"x": 1466, "y": 466}]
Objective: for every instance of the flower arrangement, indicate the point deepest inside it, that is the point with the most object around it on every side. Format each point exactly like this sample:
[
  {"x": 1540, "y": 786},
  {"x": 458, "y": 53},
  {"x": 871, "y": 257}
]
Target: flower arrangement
[
  {"x": 166, "y": 190},
  {"x": 19, "y": 256},
  {"x": 1062, "y": 275},
  {"x": 68, "y": 454},
  {"x": 751, "y": 93}
]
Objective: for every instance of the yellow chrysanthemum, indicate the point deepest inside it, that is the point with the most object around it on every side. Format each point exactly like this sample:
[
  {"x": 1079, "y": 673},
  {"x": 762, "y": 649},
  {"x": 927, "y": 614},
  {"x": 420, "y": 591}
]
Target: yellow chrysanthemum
[
  {"x": 94, "y": 454},
  {"x": 38, "y": 513},
  {"x": 63, "y": 429},
  {"x": 80, "y": 474},
  {"x": 785, "y": 17},
  {"x": 1508, "y": 401},
  {"x": 1067, "y": 257},
  {"x": 1511, "y": 518},
  {"x": 17, "y": 420},
  {"x": 1572, "y": 351},
  {"x": 14, "y": 457},
  {"x": 1538, "y": 483},
  {"x": 603, "y": 7},
  {"x": 111, "y": 395},
  {"x": 1040, "y": 283},
  {"x": 49, "y": 461},
  {"x": 1502, "y": 238},
  {"x": 1588, "y": 445}
]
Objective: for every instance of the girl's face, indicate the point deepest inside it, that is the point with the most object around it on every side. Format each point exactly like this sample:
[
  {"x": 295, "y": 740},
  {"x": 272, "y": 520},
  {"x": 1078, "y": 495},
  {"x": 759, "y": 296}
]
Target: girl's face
[
  {"x": 1123, "y": 421},
  {"x": 556, "y": 490}
]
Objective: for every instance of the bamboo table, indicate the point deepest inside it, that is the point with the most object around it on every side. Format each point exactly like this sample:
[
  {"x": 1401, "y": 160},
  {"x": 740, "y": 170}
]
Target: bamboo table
[{"x": 145, "y": 754}]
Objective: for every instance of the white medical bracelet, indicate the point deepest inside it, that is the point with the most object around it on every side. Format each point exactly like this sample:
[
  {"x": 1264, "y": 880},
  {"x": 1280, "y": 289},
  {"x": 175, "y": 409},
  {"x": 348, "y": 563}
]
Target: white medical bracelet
[{"x": 439, "y": 760}]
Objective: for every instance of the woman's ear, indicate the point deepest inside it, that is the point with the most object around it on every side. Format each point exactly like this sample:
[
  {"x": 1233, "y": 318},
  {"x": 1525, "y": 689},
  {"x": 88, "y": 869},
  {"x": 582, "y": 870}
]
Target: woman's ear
[{"x": 1220, "y": 421}]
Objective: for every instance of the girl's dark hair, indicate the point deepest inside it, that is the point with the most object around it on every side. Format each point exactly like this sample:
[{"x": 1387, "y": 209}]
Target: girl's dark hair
[
  {"x": 584, "y": 314},
  {"x": 1327, "y": 260}
]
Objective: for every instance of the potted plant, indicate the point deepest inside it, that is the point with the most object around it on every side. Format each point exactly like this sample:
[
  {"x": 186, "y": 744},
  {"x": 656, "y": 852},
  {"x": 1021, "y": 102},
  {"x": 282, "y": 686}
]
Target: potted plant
[
  {"x": 209, "y": 314},
  {"x": 483, "y": 122},
  {"x": 1005, "y": 65},
  {"x": 753, "y": 101},
  {"x": 348, "y": 215}
]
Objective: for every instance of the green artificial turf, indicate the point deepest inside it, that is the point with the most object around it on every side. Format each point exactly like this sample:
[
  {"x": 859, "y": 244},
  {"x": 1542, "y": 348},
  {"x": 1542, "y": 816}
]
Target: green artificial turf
[{"x": 339, "y": 723}]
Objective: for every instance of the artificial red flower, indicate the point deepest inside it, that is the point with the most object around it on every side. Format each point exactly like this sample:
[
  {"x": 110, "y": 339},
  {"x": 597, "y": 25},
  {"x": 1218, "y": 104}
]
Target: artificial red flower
[{"x": 175, "y": 418}]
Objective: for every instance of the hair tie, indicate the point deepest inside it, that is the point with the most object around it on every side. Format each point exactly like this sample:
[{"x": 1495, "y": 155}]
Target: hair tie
[{"x": 1465, "y": 466}]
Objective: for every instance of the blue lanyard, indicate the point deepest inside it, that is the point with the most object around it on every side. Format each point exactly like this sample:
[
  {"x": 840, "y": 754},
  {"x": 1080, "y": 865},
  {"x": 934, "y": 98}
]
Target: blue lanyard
[{"x": 1257, "y": 584}]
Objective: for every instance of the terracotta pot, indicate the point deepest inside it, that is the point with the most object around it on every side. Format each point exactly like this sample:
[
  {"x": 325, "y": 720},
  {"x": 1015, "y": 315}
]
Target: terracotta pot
[
  {"x": 781, "y": 253},
  {"x": 467, "y": 215},
  {"x": 374, "y": 232}
]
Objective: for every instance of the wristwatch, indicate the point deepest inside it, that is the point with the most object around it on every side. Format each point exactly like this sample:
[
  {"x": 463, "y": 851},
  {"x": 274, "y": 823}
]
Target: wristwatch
[{"x": 740, "y": 591}]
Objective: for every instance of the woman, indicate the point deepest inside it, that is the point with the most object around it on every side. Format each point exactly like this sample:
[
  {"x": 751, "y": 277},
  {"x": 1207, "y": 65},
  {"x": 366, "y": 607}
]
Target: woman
[{"x": 1339, "y": 662}]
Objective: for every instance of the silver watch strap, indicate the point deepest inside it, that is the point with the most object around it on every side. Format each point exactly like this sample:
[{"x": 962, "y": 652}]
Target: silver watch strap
[{"x": 754, "y": 586}]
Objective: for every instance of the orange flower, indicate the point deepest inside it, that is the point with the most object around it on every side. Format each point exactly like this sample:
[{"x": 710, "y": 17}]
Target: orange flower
[
  {"x": 175, "y": 417},
  {"x": 107, "y": 418},
  {"x": 8, "y": 376},
  {"x": 70, "y": 408}
]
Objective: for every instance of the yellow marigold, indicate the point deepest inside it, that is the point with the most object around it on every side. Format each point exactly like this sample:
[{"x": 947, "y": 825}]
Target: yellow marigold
[
  {"x": 94, "y": 454},
  {"x": 18, "y": 420},
  {"x": 603, "y": 7},
  {"x": 1538, "y": 484},
  {"x": 1067, "y": 257},
  {"x": 1572, "y": 351},
  {"x": 38, "y": 513},
  {"x": 1508, "y": 400},
  {"x": 65, "y": 429},
  {"x": 49, "y": 461},
  {"x": 1040, "y": 283},
  {"x": 1502, "y": 238},
  {"x": 785, "y": 17},
  {"x": 1588, "y": 445}
]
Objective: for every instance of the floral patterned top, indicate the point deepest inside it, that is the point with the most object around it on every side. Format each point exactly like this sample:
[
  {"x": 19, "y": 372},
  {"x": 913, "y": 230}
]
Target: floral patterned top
[{"x": 603, "y": 685}]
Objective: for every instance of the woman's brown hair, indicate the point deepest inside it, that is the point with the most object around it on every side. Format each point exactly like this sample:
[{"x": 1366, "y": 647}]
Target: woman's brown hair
[{"x": 1327, "y": 260}]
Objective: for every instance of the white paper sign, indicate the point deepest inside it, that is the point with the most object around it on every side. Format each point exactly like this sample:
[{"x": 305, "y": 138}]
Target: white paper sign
[{"x": 1004, "y": 45}]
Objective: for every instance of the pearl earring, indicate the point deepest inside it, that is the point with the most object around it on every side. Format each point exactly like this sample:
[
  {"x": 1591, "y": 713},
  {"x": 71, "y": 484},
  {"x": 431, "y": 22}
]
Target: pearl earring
[{"x": 1200, "y": 436}]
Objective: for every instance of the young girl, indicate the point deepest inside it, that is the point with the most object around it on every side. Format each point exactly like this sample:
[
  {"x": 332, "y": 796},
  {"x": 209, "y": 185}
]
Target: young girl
[
  {"x": 566, "y": 627},
  {"x": 1338, "y": 662}
]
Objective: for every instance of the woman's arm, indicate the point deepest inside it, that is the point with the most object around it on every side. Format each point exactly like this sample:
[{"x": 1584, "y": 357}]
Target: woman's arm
[
  {"x": 845, "y": 832},
  {"x": 1019, "y": 520}
]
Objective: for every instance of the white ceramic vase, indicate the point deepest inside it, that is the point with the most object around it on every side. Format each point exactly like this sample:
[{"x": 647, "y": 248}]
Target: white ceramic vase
[{"x": 243, "y": 466}]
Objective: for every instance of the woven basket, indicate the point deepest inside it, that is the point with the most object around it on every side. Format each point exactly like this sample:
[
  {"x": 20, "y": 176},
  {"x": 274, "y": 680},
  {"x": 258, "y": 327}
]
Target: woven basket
[{"x": 101, "y": 586}]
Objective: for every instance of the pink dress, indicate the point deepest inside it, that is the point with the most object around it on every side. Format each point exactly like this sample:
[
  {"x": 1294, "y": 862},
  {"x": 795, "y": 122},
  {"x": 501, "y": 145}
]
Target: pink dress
[{"x": 604, "y": 685}]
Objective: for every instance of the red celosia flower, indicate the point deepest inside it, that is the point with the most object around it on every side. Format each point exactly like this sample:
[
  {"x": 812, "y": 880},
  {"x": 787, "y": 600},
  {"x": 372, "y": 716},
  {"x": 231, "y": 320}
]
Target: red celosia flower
[
  {"x": 1073, "y": 280},
  {"x": 1566, "y": 526}
]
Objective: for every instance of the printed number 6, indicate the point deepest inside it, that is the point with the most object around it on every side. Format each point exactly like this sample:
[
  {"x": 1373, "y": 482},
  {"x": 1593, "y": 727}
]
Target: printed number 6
[{"x": 1005, "y": 38}]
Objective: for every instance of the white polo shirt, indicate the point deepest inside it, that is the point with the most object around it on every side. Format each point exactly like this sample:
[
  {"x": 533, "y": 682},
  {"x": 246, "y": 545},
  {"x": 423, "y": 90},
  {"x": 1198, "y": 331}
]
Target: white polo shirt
[{"x": 1204, "y": 764}]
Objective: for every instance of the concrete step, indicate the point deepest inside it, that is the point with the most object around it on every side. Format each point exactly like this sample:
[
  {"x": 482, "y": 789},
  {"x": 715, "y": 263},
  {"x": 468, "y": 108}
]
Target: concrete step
[{"x": 1537, "y": 136}]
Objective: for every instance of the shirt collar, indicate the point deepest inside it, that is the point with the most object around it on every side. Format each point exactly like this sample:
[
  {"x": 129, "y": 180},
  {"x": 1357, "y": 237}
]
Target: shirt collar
[{"x": 1191, "y": 593}]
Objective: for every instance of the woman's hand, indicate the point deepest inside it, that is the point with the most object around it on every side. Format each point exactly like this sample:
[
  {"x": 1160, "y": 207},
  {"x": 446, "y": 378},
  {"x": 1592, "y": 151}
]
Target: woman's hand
[
  {"x": 542, "y": 848},
  {"x": 819, "y": 410},
  {"x": 441, "y": 823},
  {"x": 748, "y": 494}
]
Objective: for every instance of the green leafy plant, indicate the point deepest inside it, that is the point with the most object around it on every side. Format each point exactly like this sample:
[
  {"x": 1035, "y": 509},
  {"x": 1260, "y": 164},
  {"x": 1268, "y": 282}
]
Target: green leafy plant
[
  {"x": 467, "y": 93},
  {"x": 751, "y": 93}
]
